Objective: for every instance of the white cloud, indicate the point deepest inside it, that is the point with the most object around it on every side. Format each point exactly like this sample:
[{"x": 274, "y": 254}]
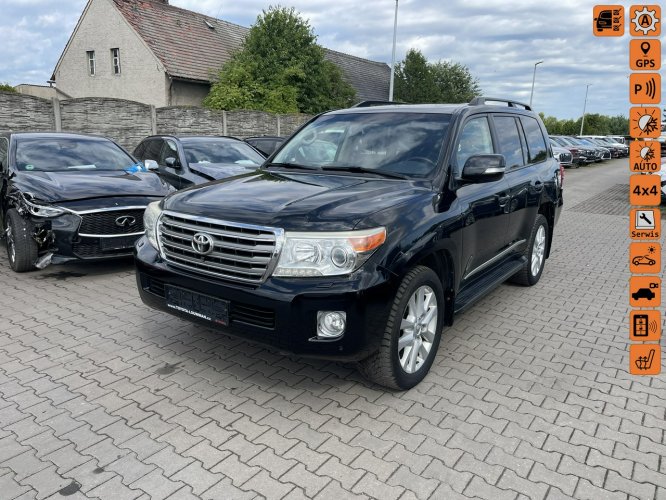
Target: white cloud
[{"x": 499, "y": 40}]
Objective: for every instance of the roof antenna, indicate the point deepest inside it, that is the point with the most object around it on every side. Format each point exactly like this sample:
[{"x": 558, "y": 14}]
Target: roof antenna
[{"x": 219, "y": 11}]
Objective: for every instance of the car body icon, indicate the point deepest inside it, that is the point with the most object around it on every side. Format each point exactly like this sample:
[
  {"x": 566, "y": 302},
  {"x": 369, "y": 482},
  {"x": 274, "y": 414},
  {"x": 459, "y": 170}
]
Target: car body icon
[
  {"x": 643, "y": 293},
  {"x": 643, "y": 260},
  {"x": 605, "y": 20}
]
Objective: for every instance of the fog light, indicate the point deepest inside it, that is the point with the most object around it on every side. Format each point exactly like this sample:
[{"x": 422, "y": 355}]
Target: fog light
[{"x": 331, "y": 324}]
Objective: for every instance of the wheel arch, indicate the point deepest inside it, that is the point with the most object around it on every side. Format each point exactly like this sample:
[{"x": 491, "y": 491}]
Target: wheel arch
[{"x": 548, "y": 211}]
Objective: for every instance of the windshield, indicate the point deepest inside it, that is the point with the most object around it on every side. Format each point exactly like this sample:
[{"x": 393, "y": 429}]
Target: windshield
[
  {"x": 213, "y": 150},
  {"x": 59, "y": 154},
  {"x": 399, "y": 143}
]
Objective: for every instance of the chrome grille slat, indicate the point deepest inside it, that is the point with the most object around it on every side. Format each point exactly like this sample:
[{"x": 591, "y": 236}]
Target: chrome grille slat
[
  {"x": 221, "y": 255},
  {"x": 239, "y": 252}
]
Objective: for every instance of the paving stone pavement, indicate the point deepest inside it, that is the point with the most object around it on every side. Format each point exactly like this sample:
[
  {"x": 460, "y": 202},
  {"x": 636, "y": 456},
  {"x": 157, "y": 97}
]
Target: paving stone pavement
[{"x": 529, "y": 396}]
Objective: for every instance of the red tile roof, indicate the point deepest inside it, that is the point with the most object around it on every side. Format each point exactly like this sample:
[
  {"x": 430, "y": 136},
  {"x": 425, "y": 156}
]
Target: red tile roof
[{"x": 193, "y": 46}]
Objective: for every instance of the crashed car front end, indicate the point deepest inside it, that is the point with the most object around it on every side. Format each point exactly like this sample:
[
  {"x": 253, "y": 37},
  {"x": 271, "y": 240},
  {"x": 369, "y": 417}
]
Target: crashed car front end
[{"x": 70, "y": 231}]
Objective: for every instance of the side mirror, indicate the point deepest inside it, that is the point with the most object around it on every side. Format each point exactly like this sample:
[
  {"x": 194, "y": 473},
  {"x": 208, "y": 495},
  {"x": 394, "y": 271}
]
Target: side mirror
[
  {"x": 151, "y": 165},
  {"x": 484, "y": 168},
  {"x": 172, "y": 162}
]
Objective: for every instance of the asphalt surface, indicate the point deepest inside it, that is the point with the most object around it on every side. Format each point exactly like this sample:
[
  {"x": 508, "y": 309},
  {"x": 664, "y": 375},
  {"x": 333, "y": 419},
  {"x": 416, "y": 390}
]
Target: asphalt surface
[{"x": 529, "y": 396}]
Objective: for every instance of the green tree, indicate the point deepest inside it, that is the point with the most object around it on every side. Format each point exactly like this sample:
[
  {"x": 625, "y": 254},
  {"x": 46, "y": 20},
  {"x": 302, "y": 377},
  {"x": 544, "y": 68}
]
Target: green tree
[
  {"x": 414, "y": 79},
  {"x": 595, "y": 124},
  {"x": 7, "y": 87},
  {"x": 418, "y": 81},
  {"x": 281, "y": 69},
  {"x": 454, "y": 82}
]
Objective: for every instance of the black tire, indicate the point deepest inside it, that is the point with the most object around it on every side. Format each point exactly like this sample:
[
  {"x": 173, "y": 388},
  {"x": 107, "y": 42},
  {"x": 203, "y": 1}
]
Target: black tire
[
  {"x": 21, "y": 248},
  {"x": 385, "y": 367},
  {"x": 526, "y": 276}
]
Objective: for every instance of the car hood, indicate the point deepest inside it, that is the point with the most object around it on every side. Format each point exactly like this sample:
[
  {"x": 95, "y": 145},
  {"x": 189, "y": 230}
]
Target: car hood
[
  {"x": 215, "y": 171},
  {"x": 69, "y": 186},
  {"x": 295, "y": 201}
]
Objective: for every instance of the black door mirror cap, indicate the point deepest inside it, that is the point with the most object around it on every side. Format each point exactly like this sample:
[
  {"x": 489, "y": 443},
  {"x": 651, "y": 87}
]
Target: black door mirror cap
[
  {"x": 172, "y": 162},
  {"x": 484, "y": 168}
]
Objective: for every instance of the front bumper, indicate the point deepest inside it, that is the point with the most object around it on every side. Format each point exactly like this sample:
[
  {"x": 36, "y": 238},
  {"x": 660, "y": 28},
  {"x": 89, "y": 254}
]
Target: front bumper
[{"x": 281, "y": 312}]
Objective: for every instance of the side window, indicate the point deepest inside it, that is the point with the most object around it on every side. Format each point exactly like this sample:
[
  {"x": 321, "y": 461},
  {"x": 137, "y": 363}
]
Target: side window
[
  {"x": 536, "y": 144},
  {"x": 153, "y": 148},
  {"x": 508, "y": 137},
  {"x": 3, "y": 154},
  {"x": 139, "y": 151},
  {"x": 169, "y": 150},
  {"x": 474, "y": 139}
]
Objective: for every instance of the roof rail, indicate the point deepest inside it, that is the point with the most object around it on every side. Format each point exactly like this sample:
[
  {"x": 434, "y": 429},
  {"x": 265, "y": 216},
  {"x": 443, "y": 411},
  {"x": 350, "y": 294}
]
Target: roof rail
[
  {"x": 367, "y": 104},
  {"x": 479, "y": 101}
]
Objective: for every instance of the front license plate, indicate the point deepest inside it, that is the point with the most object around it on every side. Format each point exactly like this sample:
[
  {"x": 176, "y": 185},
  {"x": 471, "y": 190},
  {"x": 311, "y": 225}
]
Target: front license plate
[
  {"x": 121, "y": 243},
  {"x": 198, "y": 305}
]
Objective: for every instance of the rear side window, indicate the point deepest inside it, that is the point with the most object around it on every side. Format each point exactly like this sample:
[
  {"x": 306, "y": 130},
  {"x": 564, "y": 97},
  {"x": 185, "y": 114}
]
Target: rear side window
[
  {"x": 139, "y": 151},
  {"x": 508, "y": 137},
  {"x": 536, "y": 144},
  {"x": 475, "y": 139}
]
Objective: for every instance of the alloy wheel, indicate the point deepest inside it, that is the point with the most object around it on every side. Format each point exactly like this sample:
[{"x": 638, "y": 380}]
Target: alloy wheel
[
  {"x": 417, "y": 329},
  {"x": 538, "y": 250}
]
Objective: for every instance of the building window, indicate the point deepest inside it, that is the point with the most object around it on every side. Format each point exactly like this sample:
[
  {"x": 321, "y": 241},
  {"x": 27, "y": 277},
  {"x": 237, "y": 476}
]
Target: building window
[
  {"x": 115, "y": 61},
  {"x": 91, "y": 62}
]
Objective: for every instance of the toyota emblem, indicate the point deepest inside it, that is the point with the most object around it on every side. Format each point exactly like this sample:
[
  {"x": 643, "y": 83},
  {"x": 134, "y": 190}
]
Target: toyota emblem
[
  {"x": 203, "y": 243},
  {"x": 125, "y": 221}
]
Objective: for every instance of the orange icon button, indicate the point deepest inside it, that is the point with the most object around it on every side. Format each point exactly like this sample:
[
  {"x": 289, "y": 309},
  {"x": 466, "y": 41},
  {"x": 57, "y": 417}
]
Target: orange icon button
[
  {"x": 645, "y": 258},
  {"x": 645, "y": 20},
  {"x": 645, "y": 189},
  {"x": 645, "y": 325},
  {"x": 645, "y": 88},
  {"x": 644, "y": 359},
  {"x": 645, "y": 291},
  {"x": 644, "y": 122},
  {"x": 644, "y": 156},
  {"x": 645, "y": 224},
  {"x": 608, "y": 20},
  {"x": 644, "y": 54}
]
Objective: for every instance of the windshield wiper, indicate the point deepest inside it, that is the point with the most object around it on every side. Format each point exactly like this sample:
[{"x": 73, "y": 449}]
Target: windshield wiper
[
  {"x": 363, "y": 170},
  {"x": 292, "y": 165}
]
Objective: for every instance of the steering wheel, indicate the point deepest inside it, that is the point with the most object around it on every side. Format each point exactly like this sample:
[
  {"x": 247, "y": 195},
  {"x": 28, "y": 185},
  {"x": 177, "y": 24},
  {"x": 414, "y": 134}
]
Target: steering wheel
[{"x": 422, "y": 159}]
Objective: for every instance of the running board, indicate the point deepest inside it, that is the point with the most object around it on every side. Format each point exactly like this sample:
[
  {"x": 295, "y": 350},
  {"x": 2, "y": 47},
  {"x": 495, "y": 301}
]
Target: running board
[{"x": 480, "y": 287}]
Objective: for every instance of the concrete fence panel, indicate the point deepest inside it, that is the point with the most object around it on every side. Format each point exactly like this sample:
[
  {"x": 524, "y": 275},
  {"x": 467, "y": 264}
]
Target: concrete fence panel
[
  {"x": 25, "y": 113},
  {"x": 189, "y": 120}
]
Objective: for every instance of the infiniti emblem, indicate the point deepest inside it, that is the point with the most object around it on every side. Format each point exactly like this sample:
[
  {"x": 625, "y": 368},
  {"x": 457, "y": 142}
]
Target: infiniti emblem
[
  {"x": 202, "y": 243},
  {"x": 125, "y": 221}
]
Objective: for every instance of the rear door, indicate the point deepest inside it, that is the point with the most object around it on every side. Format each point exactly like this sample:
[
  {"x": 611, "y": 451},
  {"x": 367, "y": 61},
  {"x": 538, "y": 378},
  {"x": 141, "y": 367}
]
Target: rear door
[
  {"x": 522, "y": 139},
  {"x": 484, "y": 205}
]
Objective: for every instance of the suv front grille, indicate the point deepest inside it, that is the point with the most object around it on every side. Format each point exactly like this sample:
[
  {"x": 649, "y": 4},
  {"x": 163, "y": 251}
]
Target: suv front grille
[
  {"x": 112, "y": 222},
  {"x": 239, "y": 252}
]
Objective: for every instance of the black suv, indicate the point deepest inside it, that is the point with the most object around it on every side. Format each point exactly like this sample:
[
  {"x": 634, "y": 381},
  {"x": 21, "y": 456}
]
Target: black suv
[{"x": 363, "y": 235}]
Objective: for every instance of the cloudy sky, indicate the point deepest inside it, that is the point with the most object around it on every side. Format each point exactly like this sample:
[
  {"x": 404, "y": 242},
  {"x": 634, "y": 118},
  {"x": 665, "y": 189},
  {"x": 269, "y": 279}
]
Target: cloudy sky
[{"x": 499, "y": 40}]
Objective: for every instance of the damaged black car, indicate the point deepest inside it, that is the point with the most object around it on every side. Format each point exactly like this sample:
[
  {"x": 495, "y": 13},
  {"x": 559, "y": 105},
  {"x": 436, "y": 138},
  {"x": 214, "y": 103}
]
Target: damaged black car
[{"x": 68, "y": 196}]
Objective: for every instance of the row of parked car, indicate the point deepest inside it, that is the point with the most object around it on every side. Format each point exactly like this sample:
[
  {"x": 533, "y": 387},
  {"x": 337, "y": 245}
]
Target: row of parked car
[
  {"x": 70, "y": 196},
  {"x": 583, "y": 150}
]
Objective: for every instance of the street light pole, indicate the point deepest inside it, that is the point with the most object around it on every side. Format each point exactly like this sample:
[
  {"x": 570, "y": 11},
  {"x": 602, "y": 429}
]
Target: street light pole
[
  {"x": 533, "y": 79},
  {"x": 582, "y": 122},
  {"x": 395, "y": 33}
]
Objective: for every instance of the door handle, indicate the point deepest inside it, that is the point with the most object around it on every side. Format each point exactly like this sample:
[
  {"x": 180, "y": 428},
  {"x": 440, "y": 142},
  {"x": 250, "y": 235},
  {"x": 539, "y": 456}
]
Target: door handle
[
  {"x": 538, "y": 186},
  {"x": 503, "y": 199}
]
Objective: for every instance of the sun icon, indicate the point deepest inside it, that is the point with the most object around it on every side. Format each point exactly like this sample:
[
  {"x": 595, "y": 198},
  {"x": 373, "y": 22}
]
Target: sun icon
[
  {"x": 645, "y": 121},
  {"x": 646, "y": 153},
  {"x": 651, "y": 249}
]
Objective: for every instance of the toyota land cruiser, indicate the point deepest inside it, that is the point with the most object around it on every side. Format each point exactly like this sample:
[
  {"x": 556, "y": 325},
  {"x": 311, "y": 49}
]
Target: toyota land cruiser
[{"x": 363, "y": 235}]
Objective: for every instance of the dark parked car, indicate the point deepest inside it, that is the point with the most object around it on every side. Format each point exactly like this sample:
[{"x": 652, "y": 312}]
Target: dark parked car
[
  {"x": 266, "y": 144},
  {"x": 367, "y": 231},
  {"x": 67, "y": 196},
  {"x": 184, "y": 161},
  {"x": 582, "y": 155}
]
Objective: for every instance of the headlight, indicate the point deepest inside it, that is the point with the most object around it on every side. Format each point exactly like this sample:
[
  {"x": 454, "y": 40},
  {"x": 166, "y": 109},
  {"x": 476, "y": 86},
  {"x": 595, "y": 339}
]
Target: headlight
[
  {"x": 327, "y": 254},
  {"x": 150, "y": 219},
  {"x": 41, "y": 210}
]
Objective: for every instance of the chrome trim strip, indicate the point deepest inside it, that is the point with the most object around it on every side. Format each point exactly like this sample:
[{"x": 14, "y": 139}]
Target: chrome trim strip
[
  {"x": 494, "y": 259},
  {"x": 114, "y": 209},
  {"x": 110, "y": 235}
]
